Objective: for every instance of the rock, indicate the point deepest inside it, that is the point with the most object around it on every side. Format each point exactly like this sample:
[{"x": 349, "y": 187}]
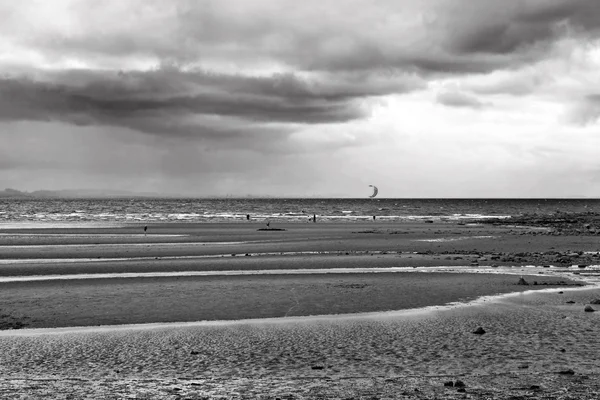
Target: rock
[
  {"x": 479, "y": 331},
  {"x": 317, "y": 367},
  {"x": 462, "y": 390},
  {"x": 595, "y": 301},
  {"x": 522, "y": 282},
  {"x": 460, "y": 384},
  {"x": 449, "y": 384},
  {"x": 567, "y": 372},
  {"x": 570, "y": 302},
  {"x": 588, "y": 309}
]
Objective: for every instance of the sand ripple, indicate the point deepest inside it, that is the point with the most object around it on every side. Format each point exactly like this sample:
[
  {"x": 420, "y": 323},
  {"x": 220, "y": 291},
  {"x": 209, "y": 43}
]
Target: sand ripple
[{"x": 532, "y": 336}]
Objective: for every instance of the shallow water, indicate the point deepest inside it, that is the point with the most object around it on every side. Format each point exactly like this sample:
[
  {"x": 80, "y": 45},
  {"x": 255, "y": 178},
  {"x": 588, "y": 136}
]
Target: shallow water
[{"x": 219, "y": 210}]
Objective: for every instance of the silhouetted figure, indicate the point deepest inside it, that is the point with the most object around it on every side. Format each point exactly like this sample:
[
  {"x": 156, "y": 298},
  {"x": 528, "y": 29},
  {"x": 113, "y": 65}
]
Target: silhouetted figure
[
  {"x": 314, "y": 217},
  {"x": 145, "y": 229},
  {"x": 373, "y": 218},
  {"x": 268, "y": 224},
  {"x": 248, "y": 217}
]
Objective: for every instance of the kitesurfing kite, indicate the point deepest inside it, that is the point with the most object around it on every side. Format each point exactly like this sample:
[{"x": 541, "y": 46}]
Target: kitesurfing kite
[{"x": 375, "y": 191}]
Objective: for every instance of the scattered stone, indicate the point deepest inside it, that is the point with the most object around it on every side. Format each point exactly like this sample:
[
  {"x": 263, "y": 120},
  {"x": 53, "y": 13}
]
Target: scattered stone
[
  {"x": 317, "y": 367},
  {"x": 522, "y": 281},
  {"x": 460, "y": 384},
  {"x": 449, "y": 384},
  {"x": 588, "y": 309},
  {"x": 560, "y": 292},
  {"x": 595, "y": 301},
  {"x": 570, "y": 302},
  {"x": 534, "y": 387},
  {"x": 462, "y": 390},
  {"x": 566, "y": 372},
  {"x": 479, "y": 331},
  {"x": 194, "y": 352}
]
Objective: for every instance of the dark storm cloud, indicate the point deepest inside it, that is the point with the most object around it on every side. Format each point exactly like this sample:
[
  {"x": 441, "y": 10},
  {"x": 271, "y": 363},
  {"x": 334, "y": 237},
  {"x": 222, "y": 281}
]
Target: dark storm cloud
[
  {"x": 337, "y": 60},
  {"x": 459, "y": 99},
  {"x": 233, "y": 109},
  {"x": 144, "y": 95},
  {"x": 430, "y": 36},
  {"x": 520, "y": 25}
]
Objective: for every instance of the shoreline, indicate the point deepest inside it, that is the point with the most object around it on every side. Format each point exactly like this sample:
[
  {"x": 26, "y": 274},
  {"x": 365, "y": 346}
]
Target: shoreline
[
  {"x": 182, "y": 299},
  {"x": 429, "y": 310},
  {"x": 280, "y": 327},
  {"x": 190, "y": 272}
]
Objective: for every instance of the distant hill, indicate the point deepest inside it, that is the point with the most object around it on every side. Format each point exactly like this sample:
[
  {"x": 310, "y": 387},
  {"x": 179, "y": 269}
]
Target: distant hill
[
  {"x": 74, "y": 193},
  {"x": 13, "y": 193}
]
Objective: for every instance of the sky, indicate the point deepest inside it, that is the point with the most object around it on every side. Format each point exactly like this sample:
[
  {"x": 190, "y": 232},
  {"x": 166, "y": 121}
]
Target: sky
[{"x": 428, "y": 98}]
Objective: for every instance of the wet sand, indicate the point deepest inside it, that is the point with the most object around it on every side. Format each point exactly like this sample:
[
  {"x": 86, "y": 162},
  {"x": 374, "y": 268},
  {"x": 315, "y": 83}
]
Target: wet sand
[
  {"x": 406, "y": 354},
  {"x": 530, "y": 339},
  {"x": 89, "y": 302}
]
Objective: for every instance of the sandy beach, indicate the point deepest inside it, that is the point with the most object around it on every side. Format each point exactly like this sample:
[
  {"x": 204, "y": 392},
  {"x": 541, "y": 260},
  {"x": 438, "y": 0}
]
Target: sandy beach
[{"x": 327, "y": 310}]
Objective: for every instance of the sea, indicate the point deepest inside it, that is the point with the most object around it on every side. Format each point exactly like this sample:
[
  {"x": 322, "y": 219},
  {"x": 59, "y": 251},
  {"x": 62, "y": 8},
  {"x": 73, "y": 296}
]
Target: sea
[{"x": 200, "y": 210}]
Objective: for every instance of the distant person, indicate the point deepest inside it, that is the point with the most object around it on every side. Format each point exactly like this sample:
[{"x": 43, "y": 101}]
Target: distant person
[
  {"x": 314, "y": 217},
  {"x": 373, "y": 218},
  {"x": 248, "y": 217},
  {"x": 145, "y": 229}
]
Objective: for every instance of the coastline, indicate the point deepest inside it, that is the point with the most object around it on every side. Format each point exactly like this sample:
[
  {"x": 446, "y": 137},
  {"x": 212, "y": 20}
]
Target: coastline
[
  {"x": 90, "y": 276},
  {"x": 416, "y": 335}
]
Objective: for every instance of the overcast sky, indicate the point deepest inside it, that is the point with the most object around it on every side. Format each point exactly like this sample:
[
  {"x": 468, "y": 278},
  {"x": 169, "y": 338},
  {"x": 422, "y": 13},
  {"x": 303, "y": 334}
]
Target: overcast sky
[{"x": 427, "y": 98}]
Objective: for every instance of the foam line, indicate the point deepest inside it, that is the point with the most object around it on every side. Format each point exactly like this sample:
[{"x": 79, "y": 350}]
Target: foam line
[{"x": 453, "y": 269}]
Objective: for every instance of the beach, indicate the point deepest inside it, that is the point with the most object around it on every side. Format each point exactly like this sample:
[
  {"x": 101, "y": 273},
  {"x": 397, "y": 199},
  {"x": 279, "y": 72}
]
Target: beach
[{"x": 312, "y": 310}]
